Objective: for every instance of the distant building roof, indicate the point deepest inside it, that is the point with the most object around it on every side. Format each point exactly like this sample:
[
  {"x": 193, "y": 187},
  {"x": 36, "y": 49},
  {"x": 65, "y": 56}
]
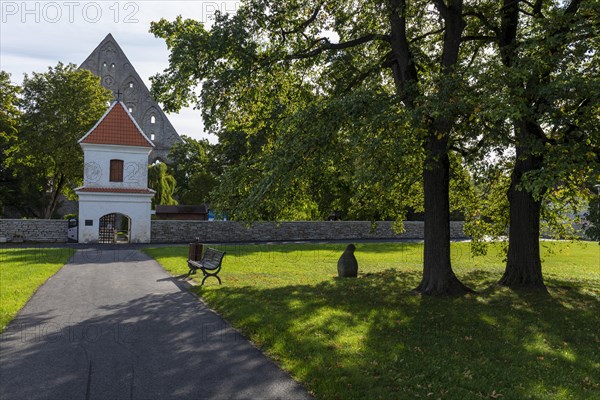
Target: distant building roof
[{"x": 118, "y": 127}]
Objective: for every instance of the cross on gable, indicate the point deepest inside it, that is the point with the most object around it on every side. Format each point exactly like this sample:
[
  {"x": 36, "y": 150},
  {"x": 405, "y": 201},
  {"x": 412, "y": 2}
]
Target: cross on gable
[{"x": 119, "y": 95}]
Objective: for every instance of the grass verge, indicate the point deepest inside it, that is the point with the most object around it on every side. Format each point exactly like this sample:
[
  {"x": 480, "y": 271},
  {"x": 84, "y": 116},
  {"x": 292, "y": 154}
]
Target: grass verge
[
  {"x": 22, "y": 271},
  {"x": 373, "y": 338}
]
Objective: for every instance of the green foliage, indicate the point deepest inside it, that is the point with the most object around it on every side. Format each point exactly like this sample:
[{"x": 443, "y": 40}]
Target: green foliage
[
  {"x": 304, "y": 103},
  {"x": 59, "y": 107},
  {"x": 592, "y": 219},
  {"x": 163, "y": 183},
  {"x": 541, "y": 104},
  {"x": 195, "y": 169},
  {"x": 558, "y": 66},
  {"x": 10, "y": 119},
  {"x": 488, "y": 211},
  {"x": 372, "y": 338},
  {"x": 9, "y": 112},
  {"x": 276, "y": 71}
]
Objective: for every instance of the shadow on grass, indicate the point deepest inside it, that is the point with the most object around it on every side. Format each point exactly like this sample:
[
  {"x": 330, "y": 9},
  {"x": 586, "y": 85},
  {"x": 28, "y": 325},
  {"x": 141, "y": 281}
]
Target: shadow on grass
[
  {"x": 263, "y": 250},
  {"x": 27, "y": 256},
  {"x": 372, "y": 337}
]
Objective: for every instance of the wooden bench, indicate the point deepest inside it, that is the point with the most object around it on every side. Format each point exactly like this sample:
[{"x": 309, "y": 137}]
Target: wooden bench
[{"x": 210, "y": 264}]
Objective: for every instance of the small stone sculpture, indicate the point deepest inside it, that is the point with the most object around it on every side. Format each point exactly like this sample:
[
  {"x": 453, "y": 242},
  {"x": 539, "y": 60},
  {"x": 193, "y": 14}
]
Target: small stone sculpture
[{"x": 347, "y": 265}]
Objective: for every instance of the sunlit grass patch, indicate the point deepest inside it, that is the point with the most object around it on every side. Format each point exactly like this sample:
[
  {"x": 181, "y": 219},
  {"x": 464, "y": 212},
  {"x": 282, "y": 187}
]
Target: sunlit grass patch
[{"x": 22, "y": 271}]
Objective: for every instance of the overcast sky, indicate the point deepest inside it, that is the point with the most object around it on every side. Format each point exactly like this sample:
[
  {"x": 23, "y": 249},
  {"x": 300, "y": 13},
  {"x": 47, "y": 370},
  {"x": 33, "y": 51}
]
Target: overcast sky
[{"x": 37, "y": 34}]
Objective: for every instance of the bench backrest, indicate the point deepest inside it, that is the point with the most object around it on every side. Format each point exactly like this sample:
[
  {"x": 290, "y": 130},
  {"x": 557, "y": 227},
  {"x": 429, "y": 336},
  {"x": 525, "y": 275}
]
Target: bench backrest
[{"x": 212, "y": 258}]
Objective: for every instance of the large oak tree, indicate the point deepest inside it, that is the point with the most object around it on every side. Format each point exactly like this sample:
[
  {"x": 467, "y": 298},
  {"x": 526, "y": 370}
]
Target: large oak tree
[
  {"x": 544, "y": 81},
  {"x": 547, "y": 51},
  {"x": 415, "y": 53}
]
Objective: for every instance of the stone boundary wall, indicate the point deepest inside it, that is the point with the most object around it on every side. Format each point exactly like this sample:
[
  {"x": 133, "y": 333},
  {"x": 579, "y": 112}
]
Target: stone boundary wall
[
  {"x": 179, "y": 231},
  {"x": 165, "y": 231},
  {"x": 33, "y": 230}
]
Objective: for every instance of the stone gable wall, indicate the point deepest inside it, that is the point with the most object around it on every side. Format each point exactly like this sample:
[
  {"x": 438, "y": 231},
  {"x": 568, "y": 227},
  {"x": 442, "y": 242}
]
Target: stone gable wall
[{"x": 116, "y": 72}]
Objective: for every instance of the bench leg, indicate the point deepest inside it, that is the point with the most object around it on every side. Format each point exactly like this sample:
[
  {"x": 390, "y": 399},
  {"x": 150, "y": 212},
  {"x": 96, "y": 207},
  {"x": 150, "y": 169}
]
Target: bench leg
[{"x": 206, "y": 275}]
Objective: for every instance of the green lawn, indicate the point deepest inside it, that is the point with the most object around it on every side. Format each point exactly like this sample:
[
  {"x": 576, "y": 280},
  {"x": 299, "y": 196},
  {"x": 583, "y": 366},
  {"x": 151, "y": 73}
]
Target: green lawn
[
  {"x": 373, "y": 338},
  {"x": 22, "y": 271}
]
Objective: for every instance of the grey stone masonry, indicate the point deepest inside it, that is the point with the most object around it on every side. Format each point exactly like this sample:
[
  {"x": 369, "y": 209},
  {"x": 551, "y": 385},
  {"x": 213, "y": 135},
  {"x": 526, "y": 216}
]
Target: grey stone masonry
[
  {"x": 172, "y": 231},
  {"x": 164, "y": 231},
  {"x": 33, "y": 230},
  {"x": 109, "y": 62}
]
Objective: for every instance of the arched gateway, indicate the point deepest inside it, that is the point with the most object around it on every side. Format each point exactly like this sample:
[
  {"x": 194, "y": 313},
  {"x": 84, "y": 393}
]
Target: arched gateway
[
  {"x": 114, "y": 228},
  {"x": 115, "y": 192}
]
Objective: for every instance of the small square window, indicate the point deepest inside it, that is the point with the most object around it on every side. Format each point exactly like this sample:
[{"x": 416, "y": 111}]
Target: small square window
[{"x": 89, "y": 222}]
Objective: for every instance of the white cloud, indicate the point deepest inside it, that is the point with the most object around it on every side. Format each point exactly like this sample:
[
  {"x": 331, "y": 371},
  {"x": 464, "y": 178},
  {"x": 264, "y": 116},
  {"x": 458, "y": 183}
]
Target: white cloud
[{"x": 37, "y": 34}]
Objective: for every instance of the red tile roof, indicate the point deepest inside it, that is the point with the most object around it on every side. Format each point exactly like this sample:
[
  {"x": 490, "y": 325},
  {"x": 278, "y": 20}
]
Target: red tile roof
[
  {"x": 115, "y": 190},
  {"x": 117, "y": 127}
]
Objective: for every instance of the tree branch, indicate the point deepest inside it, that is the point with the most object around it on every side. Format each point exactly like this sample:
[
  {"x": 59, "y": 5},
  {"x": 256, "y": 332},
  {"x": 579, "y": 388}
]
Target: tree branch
[
  {"x": 423, "y": 36},
  {"x": 507, "y": 37},
  {"x": 527, "y": 13},
  {"x": 365, "y": 74},
  {"x": 474, "y": 56},
  {"x": 570, "y": 11},
  {"x": 484, "y": 20},
  {"x": 528, "y": 3},
  {"x": 537, "y": 8},
  {"x": 305, "y": 24},
  {"x": 573, "y": 7},
  {"x": 483, "y": 38},
  {"x": 327, "y": 45},
  {"x": 442, "y": 8},
  {"x": 401, "y": 60}
]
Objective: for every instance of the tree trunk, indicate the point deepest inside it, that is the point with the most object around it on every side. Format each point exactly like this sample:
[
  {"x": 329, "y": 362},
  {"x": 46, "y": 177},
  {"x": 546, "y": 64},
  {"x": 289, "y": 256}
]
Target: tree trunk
[
  {"x": 438, "y": 277},
  {"x": 49, "y": 210},
  {"x": 523, "y": 264}
]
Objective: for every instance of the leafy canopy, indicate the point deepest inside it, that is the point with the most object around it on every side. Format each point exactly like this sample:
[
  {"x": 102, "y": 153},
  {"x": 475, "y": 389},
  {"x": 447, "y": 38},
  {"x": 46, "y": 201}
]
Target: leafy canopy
[
  {"x": 309, "y": 115},
  {"x": 195, "y": 169},
  {"x": 10, "y": 119},
  {"x": 59, "y": 106}
]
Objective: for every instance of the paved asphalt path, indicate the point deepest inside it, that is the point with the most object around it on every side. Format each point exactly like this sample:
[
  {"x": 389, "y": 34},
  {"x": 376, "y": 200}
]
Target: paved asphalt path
[{"x": 113, "y": 325}]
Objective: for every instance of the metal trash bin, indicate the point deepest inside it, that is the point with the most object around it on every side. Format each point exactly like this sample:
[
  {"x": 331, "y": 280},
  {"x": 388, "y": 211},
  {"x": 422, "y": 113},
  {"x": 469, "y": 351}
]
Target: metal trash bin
[{"x": 195, "y": 251}]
